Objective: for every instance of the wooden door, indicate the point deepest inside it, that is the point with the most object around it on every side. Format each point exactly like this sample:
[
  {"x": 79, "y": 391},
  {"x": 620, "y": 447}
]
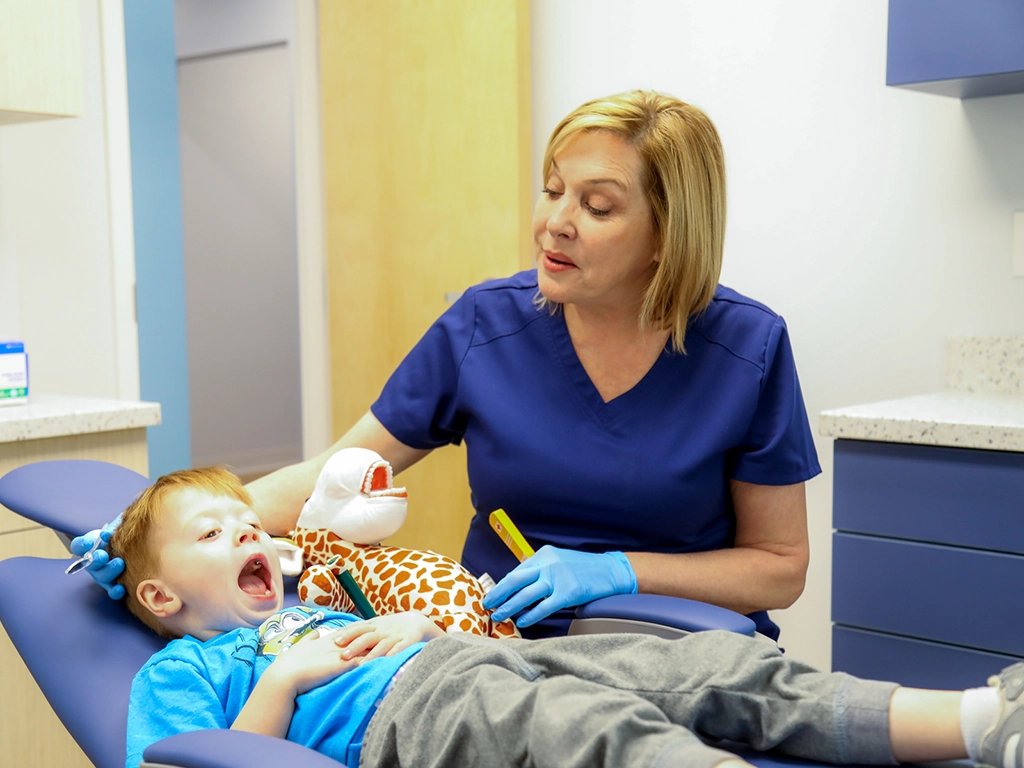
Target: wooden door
[{"x": 426, "y": 117}]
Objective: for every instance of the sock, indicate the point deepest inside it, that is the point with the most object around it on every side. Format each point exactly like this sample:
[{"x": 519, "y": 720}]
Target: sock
[{"x": 979, "y": 710}]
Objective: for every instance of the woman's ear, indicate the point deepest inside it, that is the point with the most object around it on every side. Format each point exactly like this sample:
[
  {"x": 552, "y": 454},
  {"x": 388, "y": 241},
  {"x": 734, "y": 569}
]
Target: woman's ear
[{"x": 158, "y": 598}]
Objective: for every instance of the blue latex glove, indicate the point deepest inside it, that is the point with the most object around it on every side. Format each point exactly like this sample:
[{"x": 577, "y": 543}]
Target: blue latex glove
[
  {"x": 559, "y": 578},
  {"x": 103, "y": 570}
]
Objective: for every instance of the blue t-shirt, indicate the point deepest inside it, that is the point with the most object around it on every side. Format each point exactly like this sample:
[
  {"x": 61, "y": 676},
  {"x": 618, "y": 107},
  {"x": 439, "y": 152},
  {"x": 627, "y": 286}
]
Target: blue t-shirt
[
  {"x": 647, "y": 471},
  {"x": 193, "y": 685}
]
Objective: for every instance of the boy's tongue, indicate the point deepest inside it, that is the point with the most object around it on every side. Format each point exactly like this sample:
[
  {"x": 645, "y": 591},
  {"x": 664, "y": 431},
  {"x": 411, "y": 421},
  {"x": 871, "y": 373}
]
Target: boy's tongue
[{"x": 251, "y": 580}]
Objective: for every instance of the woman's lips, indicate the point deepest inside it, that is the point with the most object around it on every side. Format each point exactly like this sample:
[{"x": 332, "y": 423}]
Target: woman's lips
[{"x": 557, "y": 262}]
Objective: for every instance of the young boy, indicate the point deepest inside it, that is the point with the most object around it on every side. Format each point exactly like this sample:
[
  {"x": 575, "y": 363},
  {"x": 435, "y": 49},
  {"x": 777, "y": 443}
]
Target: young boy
[{"x": 397, "y": 691}]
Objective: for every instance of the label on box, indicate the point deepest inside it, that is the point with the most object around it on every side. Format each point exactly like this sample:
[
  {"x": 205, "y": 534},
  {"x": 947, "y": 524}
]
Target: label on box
[{"x": 13, "y": 372}]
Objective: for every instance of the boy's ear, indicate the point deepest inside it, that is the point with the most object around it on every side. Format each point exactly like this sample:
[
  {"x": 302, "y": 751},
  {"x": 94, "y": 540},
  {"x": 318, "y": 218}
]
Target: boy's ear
[{"x": 158, "y": 598}]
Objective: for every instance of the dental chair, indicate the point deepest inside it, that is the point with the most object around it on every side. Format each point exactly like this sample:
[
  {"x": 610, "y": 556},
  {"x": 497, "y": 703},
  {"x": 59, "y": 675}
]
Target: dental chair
[{"x": 83, "y": 649}]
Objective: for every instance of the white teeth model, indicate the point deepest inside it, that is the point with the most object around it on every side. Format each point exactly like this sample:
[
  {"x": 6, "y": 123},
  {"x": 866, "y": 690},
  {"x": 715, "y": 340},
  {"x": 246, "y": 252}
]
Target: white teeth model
[{"x": 345, "y": 501}]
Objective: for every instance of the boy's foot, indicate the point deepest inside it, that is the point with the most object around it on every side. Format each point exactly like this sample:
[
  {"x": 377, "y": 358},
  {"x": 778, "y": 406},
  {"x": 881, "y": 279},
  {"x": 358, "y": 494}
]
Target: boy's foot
[{"x": 1002, "y": 745}]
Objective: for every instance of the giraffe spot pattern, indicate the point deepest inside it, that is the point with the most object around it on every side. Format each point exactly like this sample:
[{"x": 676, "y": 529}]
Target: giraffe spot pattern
[{"x": 395, "y": 579}]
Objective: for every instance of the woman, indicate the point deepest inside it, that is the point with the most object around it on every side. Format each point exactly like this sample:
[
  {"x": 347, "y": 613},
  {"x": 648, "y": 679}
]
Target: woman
[
  {"x": 613, "y": 400},
  {"x": 624, "y": 409}
]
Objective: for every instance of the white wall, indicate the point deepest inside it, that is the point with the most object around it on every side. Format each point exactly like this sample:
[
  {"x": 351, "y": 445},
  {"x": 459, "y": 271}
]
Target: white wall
[
  {"x": 241, "y": 267},
  {"x": 59, "y": 280},
  {"x": 204, "y": 31},
  {"x": 876, "y": 220},
  {"x": 204, "y": 27}
]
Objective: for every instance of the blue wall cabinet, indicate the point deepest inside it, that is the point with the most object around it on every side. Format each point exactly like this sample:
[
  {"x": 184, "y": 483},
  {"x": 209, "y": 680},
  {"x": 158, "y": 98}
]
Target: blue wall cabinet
[
  {"x": 962, "y": 48},
  {"x": 927, "y": 561}
]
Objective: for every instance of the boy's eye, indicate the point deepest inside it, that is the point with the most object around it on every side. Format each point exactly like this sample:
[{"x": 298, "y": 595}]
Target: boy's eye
[{"x": 210, "y": 534}]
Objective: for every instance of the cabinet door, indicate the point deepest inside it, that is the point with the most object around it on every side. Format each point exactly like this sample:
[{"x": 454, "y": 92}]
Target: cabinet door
[
  {"x": 426, "y": 115},
  {"x": 40, "y": 60},
  {"x": 916, "y": 663},
  {"x": 955, "y": 496},
  {"x": 930, "y": 592},
  {"x": 956, "y": 48}
]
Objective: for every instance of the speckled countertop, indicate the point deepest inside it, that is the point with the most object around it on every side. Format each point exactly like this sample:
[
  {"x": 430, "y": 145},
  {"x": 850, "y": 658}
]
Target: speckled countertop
[
  {"x": 983, "y": 406},
  {"x": 60, "y": 416}
]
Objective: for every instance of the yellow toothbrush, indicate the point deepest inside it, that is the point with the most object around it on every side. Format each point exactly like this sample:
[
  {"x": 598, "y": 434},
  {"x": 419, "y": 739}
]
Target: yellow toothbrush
[{"x": 509, "y": 534}]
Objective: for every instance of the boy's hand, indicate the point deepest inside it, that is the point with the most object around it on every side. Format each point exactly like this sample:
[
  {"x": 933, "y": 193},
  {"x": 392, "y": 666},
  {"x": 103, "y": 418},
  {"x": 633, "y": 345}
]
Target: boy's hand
[
  {"x": 384, "y": 635},
  {"x": 309, "y": 663}
]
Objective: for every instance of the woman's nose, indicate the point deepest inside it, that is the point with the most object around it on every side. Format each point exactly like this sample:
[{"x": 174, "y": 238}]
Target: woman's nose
[{"x": 560, "y": 221}]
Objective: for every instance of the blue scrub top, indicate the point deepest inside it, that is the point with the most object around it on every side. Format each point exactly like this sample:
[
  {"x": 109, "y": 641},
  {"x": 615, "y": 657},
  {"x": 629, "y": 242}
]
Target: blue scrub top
[{"x": 647, "y": 471}]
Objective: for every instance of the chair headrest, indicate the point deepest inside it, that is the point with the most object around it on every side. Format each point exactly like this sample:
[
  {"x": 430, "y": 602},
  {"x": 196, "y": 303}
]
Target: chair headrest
[{"x": 72, "y": 496}]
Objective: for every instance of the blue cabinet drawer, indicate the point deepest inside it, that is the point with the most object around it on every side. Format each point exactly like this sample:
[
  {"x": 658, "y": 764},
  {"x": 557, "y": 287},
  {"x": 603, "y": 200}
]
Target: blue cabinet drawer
[
  {"x": 917, "y": 663},
  {"x": 962, "y": 596},
  {"x": 955, "y": 496}
]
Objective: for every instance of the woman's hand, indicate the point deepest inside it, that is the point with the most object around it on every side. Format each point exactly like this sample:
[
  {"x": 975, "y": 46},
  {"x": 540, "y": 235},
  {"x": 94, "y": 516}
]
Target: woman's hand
[
  {"x": 104, "y": 570},
  {"x": 559, "y": 578},
  {"x": 384, "y": 635}
]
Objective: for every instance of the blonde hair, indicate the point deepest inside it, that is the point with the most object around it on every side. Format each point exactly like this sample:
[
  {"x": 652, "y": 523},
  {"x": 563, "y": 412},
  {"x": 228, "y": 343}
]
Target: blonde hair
[
  {"x": 132, "y": 541},
  {"x": 684, "y": 168}
]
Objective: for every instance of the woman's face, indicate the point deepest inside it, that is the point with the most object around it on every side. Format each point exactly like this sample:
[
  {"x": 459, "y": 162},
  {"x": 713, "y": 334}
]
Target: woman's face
[{"x": 593, "y": 228}]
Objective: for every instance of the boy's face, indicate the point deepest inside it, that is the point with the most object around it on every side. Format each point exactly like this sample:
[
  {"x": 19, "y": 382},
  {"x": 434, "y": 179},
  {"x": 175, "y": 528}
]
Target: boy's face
[{"x": 218, "y": 569}]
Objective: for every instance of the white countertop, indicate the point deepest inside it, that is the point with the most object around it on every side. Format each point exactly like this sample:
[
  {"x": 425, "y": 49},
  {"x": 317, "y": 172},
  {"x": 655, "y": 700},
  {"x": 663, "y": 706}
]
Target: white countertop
[
  {"x": 953, "y": 418},
  {"x": 60, "y": 415}
]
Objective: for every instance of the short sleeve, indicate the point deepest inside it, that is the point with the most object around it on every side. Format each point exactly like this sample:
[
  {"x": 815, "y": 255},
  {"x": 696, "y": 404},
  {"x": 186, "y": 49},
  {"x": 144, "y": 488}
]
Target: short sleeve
[
  {"x": 778, "y": 448},
  {"x": 169, "y": 697},
  {"x": 419, "y": 402}
]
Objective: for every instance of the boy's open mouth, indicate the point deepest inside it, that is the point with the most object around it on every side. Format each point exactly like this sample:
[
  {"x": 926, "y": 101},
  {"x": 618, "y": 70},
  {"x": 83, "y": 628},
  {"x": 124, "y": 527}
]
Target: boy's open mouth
[{"x": 255, "y": 578}]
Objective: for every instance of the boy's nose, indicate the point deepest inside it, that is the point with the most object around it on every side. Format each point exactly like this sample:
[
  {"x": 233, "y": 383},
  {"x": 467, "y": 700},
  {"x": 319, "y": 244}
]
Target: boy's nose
[{"x": 246, "y": 534}]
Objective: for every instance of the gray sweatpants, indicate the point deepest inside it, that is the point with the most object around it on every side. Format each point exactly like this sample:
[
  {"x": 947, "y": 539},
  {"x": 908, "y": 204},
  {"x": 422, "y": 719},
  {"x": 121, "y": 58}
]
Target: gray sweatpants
[{"x": 620, "y": 700}]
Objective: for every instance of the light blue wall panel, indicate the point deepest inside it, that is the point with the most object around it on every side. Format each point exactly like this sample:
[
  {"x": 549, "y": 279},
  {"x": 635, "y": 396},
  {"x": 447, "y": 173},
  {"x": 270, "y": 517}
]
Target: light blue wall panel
[{"x": 156, "y": 194}]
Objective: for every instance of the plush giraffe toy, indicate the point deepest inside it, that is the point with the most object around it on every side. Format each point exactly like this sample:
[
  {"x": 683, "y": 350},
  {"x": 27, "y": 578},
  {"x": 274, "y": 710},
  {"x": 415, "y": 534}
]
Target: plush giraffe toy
[{"x": 353, "y": 507}]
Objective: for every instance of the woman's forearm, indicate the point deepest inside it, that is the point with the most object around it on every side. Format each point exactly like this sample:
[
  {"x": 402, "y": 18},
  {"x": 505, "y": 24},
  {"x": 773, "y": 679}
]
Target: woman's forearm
[
  {"x": 278, "y": 497},
  {"x": 765, "y": 568},
  {"x": 741, "y": 579}
]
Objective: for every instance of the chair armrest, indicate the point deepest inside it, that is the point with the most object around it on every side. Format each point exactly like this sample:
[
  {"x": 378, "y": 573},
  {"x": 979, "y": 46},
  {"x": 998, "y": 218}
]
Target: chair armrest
[
  {"x": 230, "y": 749},
  {"x": 657, "y": 614}
]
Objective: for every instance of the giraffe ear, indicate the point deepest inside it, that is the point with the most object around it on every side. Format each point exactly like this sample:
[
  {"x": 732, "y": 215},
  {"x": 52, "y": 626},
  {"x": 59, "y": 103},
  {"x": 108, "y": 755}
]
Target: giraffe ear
[{"x": 290, "y": 555}]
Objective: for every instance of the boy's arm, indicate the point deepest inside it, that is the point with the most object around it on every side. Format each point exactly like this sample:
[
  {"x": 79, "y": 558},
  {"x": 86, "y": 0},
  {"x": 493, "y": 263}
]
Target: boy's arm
[
  {"x": 305, "y": 665},
  {"x": 315, "y": 661}
]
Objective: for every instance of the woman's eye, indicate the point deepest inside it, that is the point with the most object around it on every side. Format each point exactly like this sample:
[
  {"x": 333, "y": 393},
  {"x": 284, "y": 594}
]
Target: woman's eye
[
  {"x": 551, "y": 193},
  {"x": 597, "y": 211}
]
